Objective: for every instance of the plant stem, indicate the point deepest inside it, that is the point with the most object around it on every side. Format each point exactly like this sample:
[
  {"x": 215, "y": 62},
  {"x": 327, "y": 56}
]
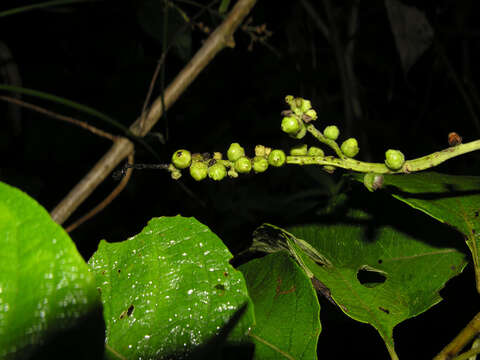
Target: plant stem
[
  {"x": 320, "y": 137},
  {"x": 467, "y": 334},
  {"x": 419, "y": 164}
]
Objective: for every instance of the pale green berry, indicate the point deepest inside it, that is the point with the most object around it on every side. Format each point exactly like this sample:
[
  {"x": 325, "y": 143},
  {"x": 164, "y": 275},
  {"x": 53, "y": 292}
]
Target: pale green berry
[
  {"x": 305, "y": 105},
  {"x": 301, "y": 133},
  {"x": 299, "y": 150},
  {"x": 291, "y": 125},
  {"x": 235, "y": 151},
  {"x": 198, "y": 170},
  {"x": 312, "y": 114},
  {"x": 373, "y": 181},
  {"x": 350, "y": 147},
  {"x": 182, "y": 159},
  {"x": 217, "y": 171},
  {"x": 260, "y": 164},
  {"x": 315, "y": 151},
  {"x": 260, "y": 150},
  {"x": 394, "y": 159},
  {"x": 277, "y": 158},
  {"x": 243, "y": 165},
  {"x": 331, "y": 132}
]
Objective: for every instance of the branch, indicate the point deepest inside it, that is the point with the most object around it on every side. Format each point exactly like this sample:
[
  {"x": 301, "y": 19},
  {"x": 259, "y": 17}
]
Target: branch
[{"x": 217, "y": 41}]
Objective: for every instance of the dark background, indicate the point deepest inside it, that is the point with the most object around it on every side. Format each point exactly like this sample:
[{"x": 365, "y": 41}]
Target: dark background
[{"x": 103, "y": 54}]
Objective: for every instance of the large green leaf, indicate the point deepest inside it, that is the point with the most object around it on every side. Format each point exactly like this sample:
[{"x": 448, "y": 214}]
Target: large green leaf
[
  {"x": 375, "y": 271},
  {"x": 286, "y": 308},
  {"x": 453, "y": 200},
  {"x": 168, "y": 290},
  {"x": 45, "y": 286}
]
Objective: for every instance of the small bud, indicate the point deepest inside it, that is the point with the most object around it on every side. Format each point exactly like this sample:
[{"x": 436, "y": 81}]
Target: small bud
[
  {"x": 277, "y": 158},
  {"x": 310, "y": 115},
  {"x": 291, "y": 125},
  {"x": 373, "y": 181},
  {"x": 394, "y": 159},
  {"x": 289, "y": 99},
  {"x": 329, "y": 169},
  {"x": 198, "y": 170},
  {"x": 243, "y": 165},
  {"x": 232, "y": 173},
  {"x": 301, "y": 133},
  {"x": 299, "y": 150},
  {"x": 315, "y": 151},
  {"x": 217, "y": 155},
  {"x": 350, "y": 147},
  {"x": 260, "y": 164},
  {"x": 331, "y": 132},
  {"x": 176, "y": 174},
  {"x": 235, "y": 151},
  {"x": 306, "y": 105},
  {"x": 197, "y": 157},
  {"x": 217, "y": 171},
  {"x": 181, "y": 159},
  {"x": 260, "y": 150}
]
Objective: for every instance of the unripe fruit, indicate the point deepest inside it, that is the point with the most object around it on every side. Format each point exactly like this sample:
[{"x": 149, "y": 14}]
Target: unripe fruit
[
  {"x": 394, "y": 159},
  {"x": 299, "y": 150},
  {"x": 235, "y": 151},
  {"x": 373, "y": 181},
  {"x": 260, "y": 164},
  {"x": 243, "y": 165},
  {"x": 350, "y": 147},
  {"x": 182, "y": 159},
  {"x": 277, "y": 158},
  {"x": 315, "y": 151},
  {"x": 331, "y": 132},
  {"x": 198, "y": 170},
  {"x": 260, "y": 150},
  {"x": 291, "y": 125},
  {"x": 217, "y": 171}
]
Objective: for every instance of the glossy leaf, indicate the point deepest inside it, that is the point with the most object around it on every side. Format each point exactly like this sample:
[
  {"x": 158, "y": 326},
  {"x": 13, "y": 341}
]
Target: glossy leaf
[
  {"x": 374, "y": 272},
  {"x": 45, "y": 286},
  {"x": 286, "y": 308},
  {"x": 168, "y": 290}
]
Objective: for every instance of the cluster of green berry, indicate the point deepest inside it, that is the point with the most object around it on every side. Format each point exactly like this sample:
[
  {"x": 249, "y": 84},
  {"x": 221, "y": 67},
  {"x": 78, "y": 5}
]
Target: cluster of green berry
[
  {"x": 296, "y": 123},
  {"x": 217, "y": 168}
]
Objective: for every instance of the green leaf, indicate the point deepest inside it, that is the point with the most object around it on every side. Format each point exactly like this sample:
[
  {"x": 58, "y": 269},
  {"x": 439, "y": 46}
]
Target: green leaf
[
  {"x": 45, "y": 286},
  {"x": 376, "y": 273},
  {"x": 286, "y": 308},
  {"x": 453, "y": 200},
  {"x": 169, "y": 289}
]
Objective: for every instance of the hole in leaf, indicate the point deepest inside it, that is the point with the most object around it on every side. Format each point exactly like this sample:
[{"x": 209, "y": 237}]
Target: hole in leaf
[
  {"x": 370, "y": 277},
  {"x": 380, "y": 261},
  {"x": 130, "y": 310}
]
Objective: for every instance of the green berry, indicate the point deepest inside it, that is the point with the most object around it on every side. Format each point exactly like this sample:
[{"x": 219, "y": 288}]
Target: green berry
[
  {"x": 235, "y": 151},
  {"x": 315, "y": 151},
  {"x": 277, "y": 158},
  {"x": 217, "y": 171},
  {"x": 331, "y": 132},
  {"x": 260, "y": 164},
  {"x": 198, "y": 170},
  {"x": 299, "y": 150},
  {"x": 373, "y": 181},
  {"x": 182, "y": 159},
  {"x": 350, "y": 147},
  {"x": 291, "y": 125},
  {"x": 394, "y": 159},
  {"x": 243, "y": 165}
]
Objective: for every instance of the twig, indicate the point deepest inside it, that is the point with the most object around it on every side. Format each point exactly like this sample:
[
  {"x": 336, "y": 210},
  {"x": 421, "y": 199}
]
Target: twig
[
  {"x": 310, "y": 10},
  {"x": 60, "y": 117},
  {"x": 462, "y": 339},
  {"x": 105, "y": 202},
  {"x": 218, "y": 40}
]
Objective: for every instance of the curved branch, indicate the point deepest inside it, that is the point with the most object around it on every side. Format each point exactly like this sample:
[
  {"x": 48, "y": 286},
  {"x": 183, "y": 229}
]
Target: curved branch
[{"x": 218, "y": 40}]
